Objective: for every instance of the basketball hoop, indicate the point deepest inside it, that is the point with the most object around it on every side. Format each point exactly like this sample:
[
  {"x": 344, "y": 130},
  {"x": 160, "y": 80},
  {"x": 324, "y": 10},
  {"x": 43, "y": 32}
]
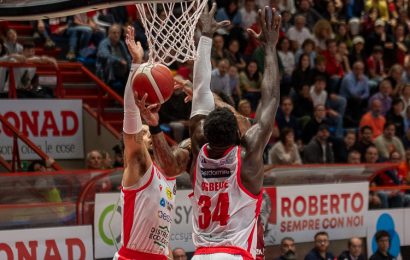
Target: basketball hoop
[{"x": 170, "y": 29}]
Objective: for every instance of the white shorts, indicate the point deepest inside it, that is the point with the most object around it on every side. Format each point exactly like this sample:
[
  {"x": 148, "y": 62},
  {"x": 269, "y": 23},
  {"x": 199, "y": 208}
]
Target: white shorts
[{"x": 218, "y": 256}]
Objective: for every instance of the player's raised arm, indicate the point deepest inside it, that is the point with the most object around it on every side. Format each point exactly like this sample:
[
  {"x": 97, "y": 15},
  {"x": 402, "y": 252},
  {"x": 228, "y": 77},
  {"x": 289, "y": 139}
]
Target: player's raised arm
[
  {"x": 258, "y": 135},
  {"x": 202, "y": 98},
  {"x": 137, "y": 160}
]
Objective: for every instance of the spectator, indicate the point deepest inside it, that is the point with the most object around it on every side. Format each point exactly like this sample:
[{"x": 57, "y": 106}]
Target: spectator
[
  {"x": 235, "y": 84},
  {"x": 311, "y": 127},
  {"x": 248, "y": 14},
  {"x": 374, "y": 118},
  {"x": 94, "y": 160},
  {"x": 341, "y": 147},
  {"x": 118, "y": 157},
  {"x": 354, "y": 157},
  {"x": 220, "y": 81},
  {"x": 357, "y": 51},
  {"x": 285, "y": 152},
  {"x": 320, "y": 251},
  {"x": 336, "y": 105},
  {"x": 287, "y": 59},
  {"x": 218, "y": 51},
  {"x": 298, "y": 33},
  {"x": 42, "y": 34},
  {"x": 303, "y": 74},
  {"x": 113, "y": 61},
  {"x": 375, "y": 65},
  {"x": 381, "y": 7},
  {"x": 287, "y": 249},
  {"x": 406, "y": 74},
  {"x": 343, "y": 35},
  {"x": 11, "y": 43},
  {"x": 310, "y": 14},
  {"x": 331, "y": 13},
  {"x": 234, "y": 56},
  {"x": 231, "y": 13},
  {"x": 322, "y": 32},
  {"x": 179, "y": 254},
  {"x": 250, "y": 82},
  {"x": 304, "y": 109},
  {"x": 284, "y": 5},
  {"x": 309, "y": 48},
  {"x": 333, "y": 63},
  {"x": 355, "y": 89},
  {"x": 383, "y": 246},
  {"x": 379, "y": 37},
  {"x": 395, "y": 78},
  {"x": 284, "y": 117},
  {"x": 244, "y": 108},
  {"x": 401, "y": 44},
  {"x": 107, "y": 162},
  {"x": 354, "y": 252},
  {"x": 395, "y": 116},
  {"x": 385, "y": 91},
  {"x": 405, "y": 97},
  {"x": 388, "y": 142},
  {"x": 319, "y": 149},
  {"x": 343, "y": 53},
  {"x": 366, "y": 139},
  {"x": 80, "y": 33}
]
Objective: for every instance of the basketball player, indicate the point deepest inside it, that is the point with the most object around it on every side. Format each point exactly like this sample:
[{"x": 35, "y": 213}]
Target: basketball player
[
  {"x": 148, "y": 193},
  {"x": 227, "y": 172}
]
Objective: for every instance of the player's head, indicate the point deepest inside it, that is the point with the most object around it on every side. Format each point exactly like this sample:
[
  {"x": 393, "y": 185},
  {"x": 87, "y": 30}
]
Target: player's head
[{"x": 221, "y": 128}]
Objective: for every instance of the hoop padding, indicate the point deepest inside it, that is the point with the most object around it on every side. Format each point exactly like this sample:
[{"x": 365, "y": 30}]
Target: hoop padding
[{"x": 170, "y": 29}]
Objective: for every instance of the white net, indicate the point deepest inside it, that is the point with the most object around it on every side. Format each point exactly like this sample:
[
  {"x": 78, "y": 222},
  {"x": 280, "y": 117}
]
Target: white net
[{"x": 170, "y": 29}]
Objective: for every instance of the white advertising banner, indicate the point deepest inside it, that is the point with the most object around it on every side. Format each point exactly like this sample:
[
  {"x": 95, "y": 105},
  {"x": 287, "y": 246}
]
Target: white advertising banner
[
  {"x": 407, "y": 227},
  {"x": 392, "y": 221},
  {"x": 302, "y": 211},
  {"x": 55, "y": 126},
  {"x": 66, "y": 243},
  {"x": 108, "y": 219}
]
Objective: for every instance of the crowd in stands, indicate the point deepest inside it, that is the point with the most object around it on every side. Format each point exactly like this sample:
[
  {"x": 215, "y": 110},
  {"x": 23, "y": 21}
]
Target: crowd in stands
[{"x": 345, "y": 76}]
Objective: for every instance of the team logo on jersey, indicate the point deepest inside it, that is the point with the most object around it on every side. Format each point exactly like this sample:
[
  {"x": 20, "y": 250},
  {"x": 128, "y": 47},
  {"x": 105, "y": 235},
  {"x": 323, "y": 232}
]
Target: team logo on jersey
[
  {"x": 160, "y": 187},
  {"x": 215, "y": 173},
  {"x": 169, "y": 193},
  {"x": 162, "y": 202},
  {"x": 174, "y": 190}
]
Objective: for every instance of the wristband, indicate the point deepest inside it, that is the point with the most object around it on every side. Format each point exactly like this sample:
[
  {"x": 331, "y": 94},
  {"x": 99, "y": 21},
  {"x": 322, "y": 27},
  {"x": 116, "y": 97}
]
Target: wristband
[{"x": 155, "y": 129}]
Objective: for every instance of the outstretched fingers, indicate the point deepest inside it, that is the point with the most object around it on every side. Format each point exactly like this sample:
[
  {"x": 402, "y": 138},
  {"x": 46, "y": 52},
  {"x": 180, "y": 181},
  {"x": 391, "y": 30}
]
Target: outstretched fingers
[
  {"x": 222, "y": 24},
  {"x": 213, "y": 9}
]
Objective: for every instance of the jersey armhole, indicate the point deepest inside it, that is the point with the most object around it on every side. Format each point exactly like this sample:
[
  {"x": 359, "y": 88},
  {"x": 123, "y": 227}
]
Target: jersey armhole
[
  {"x": 143, "y": 182},
  {"x": 239, "y": 179}
]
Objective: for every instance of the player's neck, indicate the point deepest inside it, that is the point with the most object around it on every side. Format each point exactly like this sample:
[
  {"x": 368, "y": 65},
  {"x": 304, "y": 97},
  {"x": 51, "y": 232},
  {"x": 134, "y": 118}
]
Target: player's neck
[{"x": 216, "y": 152}]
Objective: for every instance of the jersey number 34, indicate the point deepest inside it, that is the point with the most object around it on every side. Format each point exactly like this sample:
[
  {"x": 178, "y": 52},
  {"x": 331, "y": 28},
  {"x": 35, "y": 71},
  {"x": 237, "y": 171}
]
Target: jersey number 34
[{"x": 219, "y": 213}]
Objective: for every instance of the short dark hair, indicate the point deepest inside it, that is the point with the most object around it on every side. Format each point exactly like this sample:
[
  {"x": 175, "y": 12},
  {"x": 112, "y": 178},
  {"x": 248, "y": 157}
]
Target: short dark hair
[
  {"x": 285, "y": 131},
  {"x": 364, "y": 128},
  {"x": 221, "y": 128},
  {"x": 287, "y": 238},
  {"x": 387, "y": 124},
  {"x": 29, "y": 45},
  {"x": 380, "y": 234},
  {"x": 321, "y": 233}
]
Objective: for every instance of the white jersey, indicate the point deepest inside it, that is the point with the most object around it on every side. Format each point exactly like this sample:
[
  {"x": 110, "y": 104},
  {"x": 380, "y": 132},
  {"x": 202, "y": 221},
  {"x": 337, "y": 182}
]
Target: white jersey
[
  {"x": 147, "y": 215},
  {"x": 224, "y": 212}
]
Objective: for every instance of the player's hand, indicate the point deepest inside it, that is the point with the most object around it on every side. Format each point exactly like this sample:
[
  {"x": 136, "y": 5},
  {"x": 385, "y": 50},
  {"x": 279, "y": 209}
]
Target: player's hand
[
  {"x": 207, "y": 21},
  {"x": 135, "y": 49},
  {"x": 148, "y": 112},
  {"x": 185, "y": 86},
  {"x": 269, "y": 21}
]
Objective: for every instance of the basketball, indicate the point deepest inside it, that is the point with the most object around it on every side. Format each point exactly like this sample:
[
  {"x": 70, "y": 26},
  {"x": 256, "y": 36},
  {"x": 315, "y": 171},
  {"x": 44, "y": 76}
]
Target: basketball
[{"x": 154, "y": 79}]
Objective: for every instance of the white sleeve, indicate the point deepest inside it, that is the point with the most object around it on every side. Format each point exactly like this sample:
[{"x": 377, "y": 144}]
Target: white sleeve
[
  {"x": 202, "y": 99},
  {"x": 132, "y": 119}
]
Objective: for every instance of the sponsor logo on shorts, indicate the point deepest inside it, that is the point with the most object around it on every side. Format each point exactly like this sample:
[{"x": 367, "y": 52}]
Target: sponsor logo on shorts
[{"x": 215, "y": 173}]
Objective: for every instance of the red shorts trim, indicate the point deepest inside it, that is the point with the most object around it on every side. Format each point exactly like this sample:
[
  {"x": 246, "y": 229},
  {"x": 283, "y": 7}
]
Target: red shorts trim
[
  {"x": 224, "y": 249},
  {"x": 125, "y": 253}
]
